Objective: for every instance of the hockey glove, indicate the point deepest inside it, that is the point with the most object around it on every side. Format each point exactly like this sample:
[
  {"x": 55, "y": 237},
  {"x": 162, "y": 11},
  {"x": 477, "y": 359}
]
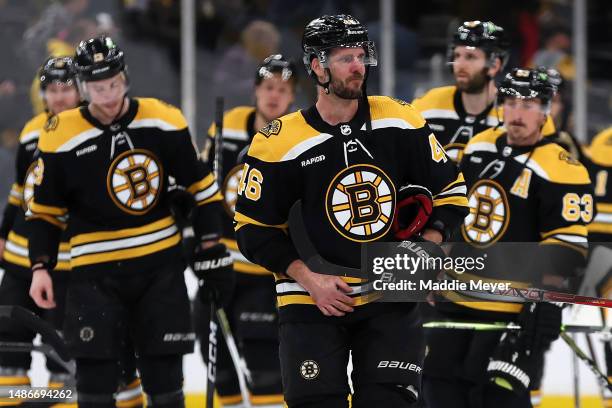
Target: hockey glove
[
  {"x": 541, "y": 325},
  {"x": 511, "y": 366},
  {"x": 414, "y": 206},
  {"x": 215, "y": 272},
  {"x": 430, "y": 265}
]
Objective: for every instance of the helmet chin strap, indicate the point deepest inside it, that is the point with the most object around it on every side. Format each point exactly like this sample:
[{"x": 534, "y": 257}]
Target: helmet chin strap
[{"x": 324, "y": 85}]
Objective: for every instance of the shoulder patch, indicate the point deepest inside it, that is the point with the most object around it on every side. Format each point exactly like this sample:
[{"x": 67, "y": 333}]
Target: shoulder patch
[
  {"x": 272, "y": 128},
  {"x": 51, "y": 123},
  {"x": 566, "y": 157}
]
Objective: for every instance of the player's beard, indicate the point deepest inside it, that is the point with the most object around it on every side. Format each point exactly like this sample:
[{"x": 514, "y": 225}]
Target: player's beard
[
  {"x": 343, "y": 91},
  {"x": 476, "y": 84}
]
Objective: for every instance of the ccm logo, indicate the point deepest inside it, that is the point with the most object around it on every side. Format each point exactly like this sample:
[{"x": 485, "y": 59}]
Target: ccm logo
[
  {"x": 403, "y": 365},
  {"x": 172, "y": 337}
]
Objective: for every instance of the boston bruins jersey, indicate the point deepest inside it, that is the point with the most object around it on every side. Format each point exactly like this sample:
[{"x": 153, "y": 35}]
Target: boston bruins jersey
[
  {"x": 346, "y": 177},
  {"x": 598, "y": 161},
  {"x": 521, "y": 195},
  {"x": 13, "y": 224},
  {"x": 238, "y": 130},
  {"x": 443, "y": 110},
  {"x": 109, "y": 184}
]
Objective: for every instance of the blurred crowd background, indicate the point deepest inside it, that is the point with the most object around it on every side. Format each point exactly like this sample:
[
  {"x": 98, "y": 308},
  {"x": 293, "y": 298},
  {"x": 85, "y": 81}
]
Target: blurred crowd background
[{"x": 233, "y": 36}]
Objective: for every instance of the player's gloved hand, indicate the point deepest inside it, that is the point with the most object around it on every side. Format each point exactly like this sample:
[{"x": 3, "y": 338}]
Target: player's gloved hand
[
  {"x": 541, "y": 324},
  {"x": 214, "y": 269},
  {"x": 511, "y": 366},
  {"x": 412, "y": 211},
  {"x": 429, "y": 257}
]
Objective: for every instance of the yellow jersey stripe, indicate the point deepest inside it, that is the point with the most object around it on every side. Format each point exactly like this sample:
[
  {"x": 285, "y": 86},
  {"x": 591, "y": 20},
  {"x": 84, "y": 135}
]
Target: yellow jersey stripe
[
  {"x": 129, "y": 253},
  {"x": 123, "y": 233},
  {"x": 47, "y": 209}
]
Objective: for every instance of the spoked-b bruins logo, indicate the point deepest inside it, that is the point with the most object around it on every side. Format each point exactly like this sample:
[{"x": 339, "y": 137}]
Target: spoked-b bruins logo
[
  {"x": 134, "y": 181},
  {"x": 489, "y": 214},
  {"x": 230, "y": 189},
  {"x": 360, "y": 203},
  {"x": 32, "y": 177}
]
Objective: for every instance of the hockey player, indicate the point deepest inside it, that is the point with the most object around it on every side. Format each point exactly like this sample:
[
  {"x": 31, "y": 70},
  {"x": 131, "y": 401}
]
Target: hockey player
[
  {"x": 598, "y": 160},
  {"x": 252, "y": 311},
  {"x": 59, "y": 92},
  {"x": 522, "y": 188},
  {"x": 477, "y": 53},
  {"x": 103, "y": 173},
  {"x": 344, "y": 158}
]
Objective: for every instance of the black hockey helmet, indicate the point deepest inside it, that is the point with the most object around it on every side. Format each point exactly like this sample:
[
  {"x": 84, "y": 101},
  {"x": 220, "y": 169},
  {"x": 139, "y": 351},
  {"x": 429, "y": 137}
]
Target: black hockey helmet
[
  {"x": 276, "y": 64},
  {"x": 486, "y": 35},
  {"x": 57, "y": 69},
  {"x": 338, "y": 31},
  {"x": 554, "y": 77},
  {"x": 98, "y": 58},
  {"x": 527, "y": 84}
]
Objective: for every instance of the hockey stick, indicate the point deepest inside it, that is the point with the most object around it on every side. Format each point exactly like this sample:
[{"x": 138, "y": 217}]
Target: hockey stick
[
  {"x": 212, "y": 326},
  {"x": 211, "y": 369},
  {"x": 565, "y": 330},
  {"x": 239, "y": 363},
  {"x": 315, "y": 262},
  {"x": 53, "y": 345},
  {"x": 485, "y": 326}
]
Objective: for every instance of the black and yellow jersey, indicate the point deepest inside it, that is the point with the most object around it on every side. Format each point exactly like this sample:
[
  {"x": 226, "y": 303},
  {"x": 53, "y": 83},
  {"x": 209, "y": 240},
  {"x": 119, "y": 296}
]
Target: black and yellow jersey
[
  {"x": 598, "y": 161},
  {"x": 13, "y": 228},
  {"x": 238, "y": 131},
  {"x": 108, "y": 184},
  {"x": 346, "y": 177},
  {"x": 445, "y": 114},
  {"x": 526, "y": 194}
]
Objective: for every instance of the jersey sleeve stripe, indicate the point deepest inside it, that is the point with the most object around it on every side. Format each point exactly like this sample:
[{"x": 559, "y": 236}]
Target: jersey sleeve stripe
[
  {"x": 40, "y": 209},
  {"x": 579, "y": 230},
  {"x": 29, "y": 137},
  {"x": 243, "y": 220},
  {"x": 553, "y": 241},
  {"x": 215, "y": 197},
  {"x": 458, "y": 200},
  {"x": 201, "y": 184},
  {"x": 50, "y": 219}
]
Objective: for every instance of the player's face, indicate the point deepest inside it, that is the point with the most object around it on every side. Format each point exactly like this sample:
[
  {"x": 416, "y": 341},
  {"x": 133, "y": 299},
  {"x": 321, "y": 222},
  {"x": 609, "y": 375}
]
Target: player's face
[
  {"x": 107, "y": 95},
  {"x": 469, "y": 69},
  {"x": 274, "y": 96},
  {"x": 60, "y": 97},
  {"x": 523, "y": 118},
  {"x": 347, "y": 71}
]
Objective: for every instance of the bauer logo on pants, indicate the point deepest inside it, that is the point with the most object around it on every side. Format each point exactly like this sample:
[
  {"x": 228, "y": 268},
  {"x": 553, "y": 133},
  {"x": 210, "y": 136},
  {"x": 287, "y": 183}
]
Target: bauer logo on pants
[
  {"x": 360, "y": 203},
  {"x": 134, "y": 181},
  {"x": 309, "y": 369}
]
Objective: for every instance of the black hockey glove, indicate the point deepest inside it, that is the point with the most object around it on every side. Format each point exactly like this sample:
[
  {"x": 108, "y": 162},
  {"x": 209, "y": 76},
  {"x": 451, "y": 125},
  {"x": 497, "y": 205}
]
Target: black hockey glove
[
  {"x": 541, "y": 325},
  {"x": 511, "y": 366},
  {"x": 432, "y": 258},
  {"x": 215, "y": 272},
  {"x": 414, "y": 206}
]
